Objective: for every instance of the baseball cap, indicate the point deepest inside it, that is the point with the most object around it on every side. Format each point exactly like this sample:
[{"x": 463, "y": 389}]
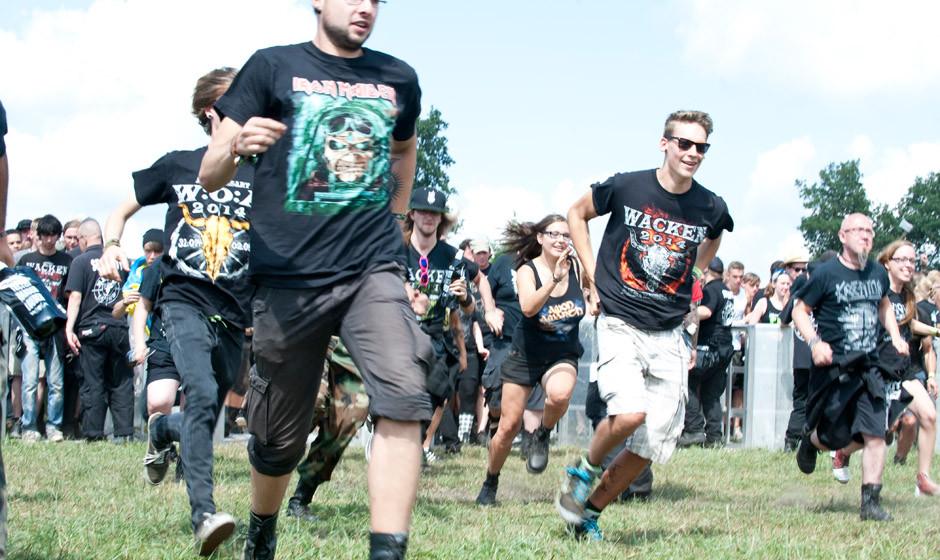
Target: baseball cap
[
  {"x": 428, "y": 199},
  {"x": 480, "y": 245},
  {"x": 24, "y": 224}
]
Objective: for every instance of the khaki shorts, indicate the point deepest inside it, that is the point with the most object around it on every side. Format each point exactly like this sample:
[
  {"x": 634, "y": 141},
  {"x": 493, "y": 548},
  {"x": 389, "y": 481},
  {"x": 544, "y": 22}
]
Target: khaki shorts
[{"x": 644, "y": 371}]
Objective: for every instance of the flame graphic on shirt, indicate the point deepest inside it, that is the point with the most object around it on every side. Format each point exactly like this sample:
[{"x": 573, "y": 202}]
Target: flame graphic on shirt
[
  {"x": 217, "y": 237},
  {"x": 661, "y": 258}
]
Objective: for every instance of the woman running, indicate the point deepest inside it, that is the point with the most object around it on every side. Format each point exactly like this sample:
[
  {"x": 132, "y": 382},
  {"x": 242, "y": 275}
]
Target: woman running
[{"x": 545, "y": 347}]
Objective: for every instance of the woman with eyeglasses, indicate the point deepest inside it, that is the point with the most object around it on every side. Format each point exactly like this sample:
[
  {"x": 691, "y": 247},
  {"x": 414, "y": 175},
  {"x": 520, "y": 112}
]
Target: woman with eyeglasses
[
  {"x": 545, "y": 346},
  {"x": 776, "y": 295},
  {"x": 915, "y": 387}
]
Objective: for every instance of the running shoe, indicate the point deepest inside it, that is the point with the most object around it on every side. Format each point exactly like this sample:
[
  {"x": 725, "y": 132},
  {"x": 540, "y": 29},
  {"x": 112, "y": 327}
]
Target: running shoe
[
  {"x": 430, "y": 458},
  {"x": 579, "y": 481},
  {"x": 31, "y": 436},
  {"x": 840, "y": 466},
  {"x": 586, "y": 529},
  {"x": 806, "y": 455},
  {"x": 925, "y": 486},
  {"x": 156, "y": 461},
  {"x": 54, "y": 434},
  {"x": 212, "y": 530}
]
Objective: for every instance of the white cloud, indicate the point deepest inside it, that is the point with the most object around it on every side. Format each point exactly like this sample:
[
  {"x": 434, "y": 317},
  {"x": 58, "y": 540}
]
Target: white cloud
[
  {"x": 861, "y": 147},
  {"x": 840, "y": 47},
  {"x": 895, "y": 170},
  {"x": 776, "y": 170},
  {"x": 103, "y": 92}
]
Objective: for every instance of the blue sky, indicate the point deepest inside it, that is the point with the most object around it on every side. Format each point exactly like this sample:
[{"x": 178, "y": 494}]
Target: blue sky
[{"x": 542, "y": 98}]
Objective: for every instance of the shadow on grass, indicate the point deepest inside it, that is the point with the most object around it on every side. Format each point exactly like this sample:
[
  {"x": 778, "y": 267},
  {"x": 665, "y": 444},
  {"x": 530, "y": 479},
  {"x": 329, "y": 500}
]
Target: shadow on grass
[
  {"x": 40, "y": 496},
  {"x": 634, "y": 539},
  {"x": 671, "y": 492},
  {"x": 355, "y": 518},
  {"x": 835, "y": 506},
  {"x": 31, "y": 555}
]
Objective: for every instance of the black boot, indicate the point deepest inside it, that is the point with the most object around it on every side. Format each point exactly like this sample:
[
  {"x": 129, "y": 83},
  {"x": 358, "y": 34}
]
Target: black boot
[
  {"x": 538, "y": 450},
  {"x": 261, "y": 540},
  {"x": 299, "y": 504},
  {"x": 487, "y": 496},
  {"x": 871, "y": 504},
  {"x": 384, "y": 546}
]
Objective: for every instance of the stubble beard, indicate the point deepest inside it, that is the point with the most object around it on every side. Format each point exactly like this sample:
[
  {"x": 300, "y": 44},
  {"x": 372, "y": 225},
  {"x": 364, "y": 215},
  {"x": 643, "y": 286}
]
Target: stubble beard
[{"x": 340, "y": 37}]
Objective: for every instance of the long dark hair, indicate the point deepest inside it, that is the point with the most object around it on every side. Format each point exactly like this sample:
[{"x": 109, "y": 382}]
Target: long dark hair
[
  {"x": 907, "y": 290},
  {"x": 521, "y": 238}
]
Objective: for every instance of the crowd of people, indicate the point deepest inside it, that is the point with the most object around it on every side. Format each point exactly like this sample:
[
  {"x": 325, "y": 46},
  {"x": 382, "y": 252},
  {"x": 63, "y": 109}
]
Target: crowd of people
[{"x": 301, "y": 282}]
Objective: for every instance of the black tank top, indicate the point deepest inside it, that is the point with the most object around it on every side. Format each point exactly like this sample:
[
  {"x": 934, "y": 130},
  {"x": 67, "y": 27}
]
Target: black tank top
[
  {"x": 552, "y": 333},
  {"x": 771, "y": 314}
]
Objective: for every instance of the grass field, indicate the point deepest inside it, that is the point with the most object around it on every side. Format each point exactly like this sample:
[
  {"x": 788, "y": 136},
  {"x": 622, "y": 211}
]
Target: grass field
[{"x": 74, "y": 501}]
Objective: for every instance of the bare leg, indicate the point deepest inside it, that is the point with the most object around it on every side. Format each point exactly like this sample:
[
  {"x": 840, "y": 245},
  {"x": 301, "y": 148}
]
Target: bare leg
[
  {"x": 435, "y": 422},
  {"x": 558, "y": 383},
  {"x": 481, "y": 411},
  {"x": 926, "y": 413},
  {"x": 161, "y": 395},
  {"x": 908, "y": 425},
  {"x": 873, "y": 459},
  {"x": 396, "y": 448},
  {"x": 611, "y": 432},
  {"x": 514, "y": 398},
  {"x": 267, "y": 492},
  {"x": 618, "y": 477},
  {"x": 531, "y": 419}
]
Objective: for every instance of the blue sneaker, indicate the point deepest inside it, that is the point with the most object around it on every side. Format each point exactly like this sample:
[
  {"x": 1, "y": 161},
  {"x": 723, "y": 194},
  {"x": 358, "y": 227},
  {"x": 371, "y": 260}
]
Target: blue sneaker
[
  {"x": 579, "y": 481},
  {"x": 587, "y": 529}
]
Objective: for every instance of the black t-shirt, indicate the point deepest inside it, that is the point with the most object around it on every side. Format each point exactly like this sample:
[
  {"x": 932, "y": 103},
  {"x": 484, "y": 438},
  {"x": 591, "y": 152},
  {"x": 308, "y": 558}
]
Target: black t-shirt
[
  {"x": 98, "y": 294},
  {"x": 802, "y": 357},
  {"x": 930, "y": 312},
  {"x": 771, "y": 313},
  {"x": 442, "y": 264},
  {"x": 150, "y": 281},
  {"x": 644, "y": 265},
  {"x": 716, "y": 330},
  {"x": 552, "y": 333},
  {"x": 322, "y": 192},
  {"x": 845, "y": 304},
  {"x": 906, "y": 366},
  {"x": 53, "y": 270},
  {"x": 502, "y": 277},
  {"x": 206, "y": 235}
]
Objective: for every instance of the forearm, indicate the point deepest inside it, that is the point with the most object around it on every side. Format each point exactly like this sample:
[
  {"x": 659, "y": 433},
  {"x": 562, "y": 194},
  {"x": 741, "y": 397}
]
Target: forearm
[
  {"x": 706, "y": 252},
  {"x": 218, "y": 164},
  {"x": 119, "y": 309},
  {"x": 691, "y": 324},
  {"x": 403, "y": 157},
  {"x": 478, "y": 335},
  {"x": 920, "y": 329},
  {"x": 139, "y": 321},
  {"x": 802, "y": 322},
  {"x": 486, "y": 294},
  {"x": 890, "y": 322},
  {"x": 534, "y": 301},
  {"x": 74, "y": 304}
]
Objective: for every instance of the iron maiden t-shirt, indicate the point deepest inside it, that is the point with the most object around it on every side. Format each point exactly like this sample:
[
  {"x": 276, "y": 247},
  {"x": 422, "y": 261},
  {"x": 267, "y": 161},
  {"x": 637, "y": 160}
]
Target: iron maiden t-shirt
[
  {"x": 644, "y": 265},
  {"x": 206, "y": 236},
  {"x": 322, "y": 192}
]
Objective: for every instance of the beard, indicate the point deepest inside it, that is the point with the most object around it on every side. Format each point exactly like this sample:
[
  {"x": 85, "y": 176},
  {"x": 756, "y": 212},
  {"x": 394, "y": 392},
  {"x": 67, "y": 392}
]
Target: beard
[
  {"x": 862, "y": 259},
  {"x": 341, "y": 37}
]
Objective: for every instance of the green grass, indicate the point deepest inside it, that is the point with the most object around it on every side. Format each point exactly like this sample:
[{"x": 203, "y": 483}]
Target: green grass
[{"x": 76, "y": 501}]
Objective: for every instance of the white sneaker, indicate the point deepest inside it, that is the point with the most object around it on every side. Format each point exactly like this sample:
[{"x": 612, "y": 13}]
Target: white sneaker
[
  {"x": 31, "y": 436},
  {"x": 215, "y": 528},
  {"x": 430, "y": 457},
  {"x": 54, "y": 434}
]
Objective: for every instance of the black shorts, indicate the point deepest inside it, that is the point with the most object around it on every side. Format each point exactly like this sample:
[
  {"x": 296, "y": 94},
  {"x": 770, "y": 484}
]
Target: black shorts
[
  {"x": 293, "y": 327},
  {"x": 852, "y": 410},
  {"x": 160, "y": 366},
  {"x": 521, "y": 371},
  {"x": 494, "y": 397}
]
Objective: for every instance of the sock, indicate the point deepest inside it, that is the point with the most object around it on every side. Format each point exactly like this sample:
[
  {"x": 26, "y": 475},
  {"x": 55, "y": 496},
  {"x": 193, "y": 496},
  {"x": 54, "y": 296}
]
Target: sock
[
  {"x": 591, "y": 510},
  {"x": 586, "y": 465},
  {"x": 491, "y": 479}
]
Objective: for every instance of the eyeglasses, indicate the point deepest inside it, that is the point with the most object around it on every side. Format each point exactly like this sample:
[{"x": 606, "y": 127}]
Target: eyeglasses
[
  {"x": 556, "y": 235},
  {"x": 861, "y": 231},
  {"x": 904, "y": 260},
  {"x": 357, "y": 2},
  {"x": 423, "y": 273},
  {"x": 686, "y": 145}
]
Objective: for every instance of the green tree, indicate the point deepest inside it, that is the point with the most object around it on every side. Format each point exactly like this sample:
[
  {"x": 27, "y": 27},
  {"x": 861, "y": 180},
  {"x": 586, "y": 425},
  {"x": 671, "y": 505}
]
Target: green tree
[
  {"x": 433, "y": 157},
  {"x": 838, "y": 193},
  {"x": 921, "y": 208}
]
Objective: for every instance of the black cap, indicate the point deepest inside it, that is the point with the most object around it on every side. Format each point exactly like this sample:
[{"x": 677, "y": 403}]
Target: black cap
[
  {"x": 153, "y": 236},
  {"x": 428, "y": 199},
  {"x": 24, "y": 224},
  {"x": 716, "y": 265}
]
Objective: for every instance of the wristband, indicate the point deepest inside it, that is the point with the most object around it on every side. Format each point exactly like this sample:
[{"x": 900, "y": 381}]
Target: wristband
[
  {"x": 696, "y": 272},
  {"x": 813, "y": 342},
  {"x": 555, "y": 280},
  {"x": 934, "y": 332},
  {"x": 931, "y": 375},
  {"x": 399, "y": 216},
  {"x": 115, "y": 241}
]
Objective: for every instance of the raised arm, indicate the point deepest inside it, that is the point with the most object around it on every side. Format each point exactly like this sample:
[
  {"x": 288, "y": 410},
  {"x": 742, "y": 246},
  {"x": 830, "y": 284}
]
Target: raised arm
[
  {"x": 232, "y": 140},
  {"x": 580, "y": 213}
]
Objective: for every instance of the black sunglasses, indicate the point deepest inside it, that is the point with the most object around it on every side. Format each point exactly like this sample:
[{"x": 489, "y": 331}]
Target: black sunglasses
[{"x": 685, "y": 144}]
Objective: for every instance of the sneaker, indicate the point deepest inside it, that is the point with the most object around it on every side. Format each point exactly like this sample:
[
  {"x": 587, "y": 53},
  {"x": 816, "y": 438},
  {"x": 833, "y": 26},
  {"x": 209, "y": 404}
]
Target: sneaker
[
  {"x": 806, "y": 455},
  {"x": 840, "y": 466},
  {"x": 430, "y": 458},
  {"x": 211, "y": 531},
  {"x": 900, "y": 460},
  {"x": 31, "y": 436},
  {"x": 586, "y": 529},
  {"x": 737, "y": 434},
  {"x": 156, "y": 461},
  {"x": 925, "y": 486},
  {"x": 538, "y": 451},
  {"x": 487, "y": 495},
  {"x": 295, "y": 508},
  {"x": 579, "y": 480},
  {"x": 54, "y": 434},
  {"x": 17, "y": 430}
]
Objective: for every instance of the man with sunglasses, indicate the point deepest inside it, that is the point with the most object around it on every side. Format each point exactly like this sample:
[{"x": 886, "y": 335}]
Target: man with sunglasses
[
  {"x": 664, "y": 229},
  {"x": 330, "y": 126},
  {"x": 795, "y": 265}
]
